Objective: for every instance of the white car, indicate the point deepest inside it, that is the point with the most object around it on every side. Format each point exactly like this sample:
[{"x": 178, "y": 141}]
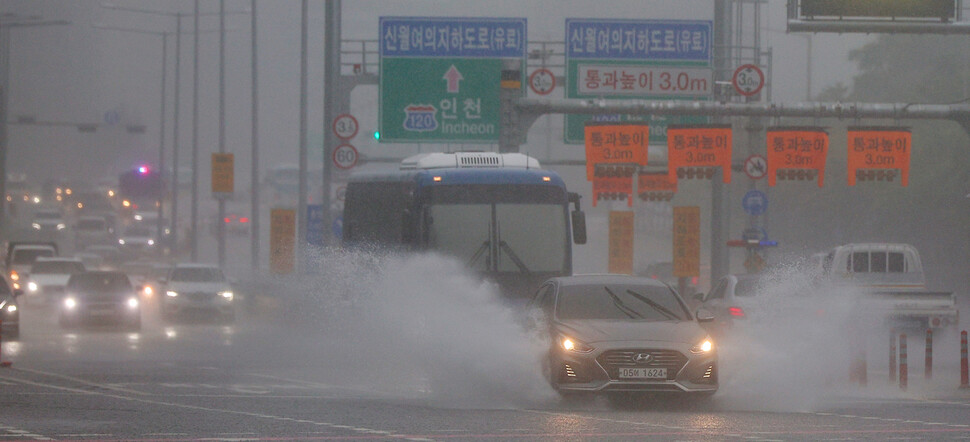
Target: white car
[
  {"x": 201, "y": 289},
  {"x": 48, "y": 277},
  {"x": 138, "y": 239}
]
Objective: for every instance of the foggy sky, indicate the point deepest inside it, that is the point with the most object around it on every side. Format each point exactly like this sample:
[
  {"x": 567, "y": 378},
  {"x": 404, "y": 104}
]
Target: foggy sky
[{"x": 78, "y": 73}]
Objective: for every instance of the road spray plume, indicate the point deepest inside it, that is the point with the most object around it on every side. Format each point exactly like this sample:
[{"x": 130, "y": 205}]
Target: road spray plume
[
  {"x": 422, "y": 324},
  {"x": 794, "y": 348}
]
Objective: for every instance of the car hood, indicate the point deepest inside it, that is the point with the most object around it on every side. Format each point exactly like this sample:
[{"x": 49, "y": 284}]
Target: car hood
[
  {"x": 598, "y": 330},
  {"x": 185, "y": 286},
  {"x": 50, "y": 278}
]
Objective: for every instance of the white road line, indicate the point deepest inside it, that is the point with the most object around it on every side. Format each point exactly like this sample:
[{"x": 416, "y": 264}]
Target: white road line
[
  {"x": 194, "y": 407},
  {"x": 82, "y": 381}
]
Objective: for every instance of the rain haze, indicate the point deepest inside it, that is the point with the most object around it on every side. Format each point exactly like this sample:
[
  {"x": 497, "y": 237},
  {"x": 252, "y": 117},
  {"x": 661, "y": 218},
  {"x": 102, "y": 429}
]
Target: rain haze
[{"x": 420, "y": 338}]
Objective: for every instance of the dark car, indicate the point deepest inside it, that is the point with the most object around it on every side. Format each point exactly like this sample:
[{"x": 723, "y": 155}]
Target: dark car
[
  {"x": 100, "y": 296},
  {"x": 624, "y": 334},
  {"x": 9, "y": 311}
]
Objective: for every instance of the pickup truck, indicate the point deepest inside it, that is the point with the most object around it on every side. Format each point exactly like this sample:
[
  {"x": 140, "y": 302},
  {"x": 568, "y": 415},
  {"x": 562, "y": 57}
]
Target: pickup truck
[{"x": 891, "y": 276}]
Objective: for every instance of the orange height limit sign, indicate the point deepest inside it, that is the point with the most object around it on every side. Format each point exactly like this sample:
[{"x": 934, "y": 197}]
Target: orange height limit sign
[
  {"x": 797, "y": 148},
  {"x": 615, "y": 144},
  {"x": 687, "y": 241},
  {"x": 699, "y": 146},
  {"x": 879, "y": 148}
]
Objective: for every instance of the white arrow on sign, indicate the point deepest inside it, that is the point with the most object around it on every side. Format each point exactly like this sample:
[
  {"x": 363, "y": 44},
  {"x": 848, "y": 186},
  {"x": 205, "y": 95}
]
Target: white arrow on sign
[{"x": 453, "y": 77}]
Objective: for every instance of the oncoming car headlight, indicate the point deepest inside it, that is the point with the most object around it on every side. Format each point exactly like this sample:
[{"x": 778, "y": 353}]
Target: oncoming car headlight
[
  {"x": 61, "y": 226},
  {"x": 171, "y": 294},
  {"x": 705, "y": 346},
  {"x": 132, "y": 303},
  {"x": 70, "y": 303},
  {"x": 121, "y": 241},
  {"x": 226, "y": 294},
  {"x": 32, "y": 286},
  {"x": 36, "y": 226},
  {"x": 11, "y": 308},
  {"x": 573, "y": 345}
]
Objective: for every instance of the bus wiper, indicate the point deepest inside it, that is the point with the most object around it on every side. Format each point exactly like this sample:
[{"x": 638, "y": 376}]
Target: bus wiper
[
  {"x": 478, "y": 253},
  {"x": 669, "y": 314},
  {"x": 621, "y": 306},
  {"x": 515, "y": 258}
]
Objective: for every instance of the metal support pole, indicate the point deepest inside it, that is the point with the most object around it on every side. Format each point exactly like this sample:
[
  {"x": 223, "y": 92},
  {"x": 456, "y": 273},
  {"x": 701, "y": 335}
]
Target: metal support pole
[
  {"x": 720, "y": 219},
  {"x": 195, "y": 137},
  {"x": 302, "y": 187},
  {"x": 174, "y": 224},
  {"x": 161, "y": 139},
  {"x": 254, "y": 185},
  {"x": 336, "y": 99},
  {"x": 221, "y": 229}
]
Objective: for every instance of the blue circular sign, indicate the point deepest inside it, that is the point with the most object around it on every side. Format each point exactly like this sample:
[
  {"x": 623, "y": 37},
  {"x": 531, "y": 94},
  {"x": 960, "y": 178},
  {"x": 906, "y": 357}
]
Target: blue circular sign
[{"x": 755, "y": 202}]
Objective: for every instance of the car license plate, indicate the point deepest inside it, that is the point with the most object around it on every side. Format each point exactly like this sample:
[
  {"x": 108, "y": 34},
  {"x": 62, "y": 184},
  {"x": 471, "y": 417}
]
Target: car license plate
[{"x": 643, "y": 373}]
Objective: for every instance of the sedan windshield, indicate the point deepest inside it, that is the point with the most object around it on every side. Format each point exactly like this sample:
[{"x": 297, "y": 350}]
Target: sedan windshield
[
  {"x": 197, "y": 274},
  {"x": 620, "y": 302}
]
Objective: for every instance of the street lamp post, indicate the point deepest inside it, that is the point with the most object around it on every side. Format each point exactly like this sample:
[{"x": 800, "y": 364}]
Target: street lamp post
[
  {"x": 161, "y": 125},
  {"x": 8, "y": 22},
  {"x": 175, "y": 166}
]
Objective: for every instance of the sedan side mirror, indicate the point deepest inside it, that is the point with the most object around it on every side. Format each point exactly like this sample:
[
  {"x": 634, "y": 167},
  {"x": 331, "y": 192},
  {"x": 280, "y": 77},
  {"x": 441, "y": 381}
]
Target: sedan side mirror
[{"x": 704, "y": 315}]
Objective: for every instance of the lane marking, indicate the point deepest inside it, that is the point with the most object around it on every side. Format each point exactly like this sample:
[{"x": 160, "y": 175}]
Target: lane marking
[
  {"x": 197, "y": 407},
  {"x": 82, "y": 381}
]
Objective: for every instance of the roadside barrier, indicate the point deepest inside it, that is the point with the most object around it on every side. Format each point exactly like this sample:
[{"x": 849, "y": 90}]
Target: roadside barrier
[
  {"x": 903, "y": 366},
  {"x": 2, "y": 362},
  {"x": 892, "y": 356},
  {"x": 964, "y": 378},
  {"x": 928, "y": 360}
]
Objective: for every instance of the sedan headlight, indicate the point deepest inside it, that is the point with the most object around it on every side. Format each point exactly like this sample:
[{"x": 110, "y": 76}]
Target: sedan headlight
[
  {"x": 11, "y": 308},
  {"x": 705, "y": 346},
  {"x": 36, "y": 226},
  {"x": 132, "y": 303},
  {"x": 32, "y": 286},
  {"x": 61, "y": 226},
  {"x": 70, "y": 303},
  {"x": 171, "y": 294},
  {"x": 226, "y": 294},
  {"x": 573, "y": 345},
  {"x": 121, "y": 241}
]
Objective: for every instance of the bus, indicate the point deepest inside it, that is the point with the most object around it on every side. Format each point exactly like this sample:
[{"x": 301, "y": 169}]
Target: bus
[{"x": 501, "y": 214}]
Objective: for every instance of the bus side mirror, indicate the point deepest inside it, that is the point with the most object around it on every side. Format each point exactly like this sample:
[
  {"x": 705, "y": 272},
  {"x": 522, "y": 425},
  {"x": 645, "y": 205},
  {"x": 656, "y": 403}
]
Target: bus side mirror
[
  {"x": 578, "y": 220},
  {"x": 579, "y": 226}
]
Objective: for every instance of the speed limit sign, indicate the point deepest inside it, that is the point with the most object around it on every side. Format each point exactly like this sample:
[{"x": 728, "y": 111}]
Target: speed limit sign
[
  {"x": 345, "y": 126},
  {"x": 345, "y": 156}
]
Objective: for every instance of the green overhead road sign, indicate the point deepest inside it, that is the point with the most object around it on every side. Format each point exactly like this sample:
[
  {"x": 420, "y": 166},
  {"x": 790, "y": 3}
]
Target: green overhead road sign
[{"x": 440, "y": 77}]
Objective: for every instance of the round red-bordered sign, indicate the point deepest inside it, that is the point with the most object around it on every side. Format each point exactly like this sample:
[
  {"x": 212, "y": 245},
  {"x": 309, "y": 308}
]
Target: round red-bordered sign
[
  {"x": 345, "y": 126},
  {"x": 345, "y": 156},
  {"x": 748, "y": 80},
  {"x": 756, "y": 167},
  {"x": 542, "y": 81}
]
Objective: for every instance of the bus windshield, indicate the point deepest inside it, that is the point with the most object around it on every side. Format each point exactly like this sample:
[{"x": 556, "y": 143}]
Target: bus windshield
[{"x": 505, "y": 229}]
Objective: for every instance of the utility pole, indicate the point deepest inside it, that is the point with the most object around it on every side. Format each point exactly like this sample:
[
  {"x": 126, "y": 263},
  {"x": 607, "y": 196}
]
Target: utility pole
[{"x": 6, "y": 24}]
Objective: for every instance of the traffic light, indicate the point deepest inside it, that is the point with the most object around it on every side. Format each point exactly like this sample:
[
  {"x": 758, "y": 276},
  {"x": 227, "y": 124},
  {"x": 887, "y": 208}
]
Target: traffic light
[{"x": 377, "y": 135}]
